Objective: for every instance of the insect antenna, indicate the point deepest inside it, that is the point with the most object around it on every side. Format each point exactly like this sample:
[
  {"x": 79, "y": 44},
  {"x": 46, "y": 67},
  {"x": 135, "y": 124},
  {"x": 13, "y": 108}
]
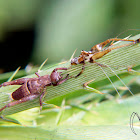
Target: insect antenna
[
  {"x": 126, "y": 31},
  {"x": 118, "y": 78},
  {"x": 121, "y": 80},
  {"x": 110, "y": 81}
]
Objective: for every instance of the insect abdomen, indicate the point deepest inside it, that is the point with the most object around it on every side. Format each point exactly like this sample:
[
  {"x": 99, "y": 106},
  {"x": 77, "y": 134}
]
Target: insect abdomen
[{"x": 21, "y": 92}]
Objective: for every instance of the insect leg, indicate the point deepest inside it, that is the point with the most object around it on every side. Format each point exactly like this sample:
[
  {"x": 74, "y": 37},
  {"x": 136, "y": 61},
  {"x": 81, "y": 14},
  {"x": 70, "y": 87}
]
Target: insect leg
[
  {"x": 100, "y": 46},
  {"x": 16, "y": 82},
  {"x": 60, "y": 69},
  {"x": 24, "y": 99},
  {"x": 98, "y": 55},
  {"x": 37, "y": 74},
  {"x": 55, "y": 70},
  {"x": 85, "y": 85},
  {"x": 40, "y": 99},
  {"x": 83, "y": 68},
  {"x": 63, "y": 80}
]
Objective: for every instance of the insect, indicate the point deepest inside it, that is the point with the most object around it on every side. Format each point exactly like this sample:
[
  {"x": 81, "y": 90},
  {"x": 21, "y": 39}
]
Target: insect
[
  {"x": 97, "y": 52},
  {"x": 34, "y": 87}
]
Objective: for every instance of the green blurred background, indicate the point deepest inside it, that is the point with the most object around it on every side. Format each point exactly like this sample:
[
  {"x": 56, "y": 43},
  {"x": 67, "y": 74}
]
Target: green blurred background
[{"x": 33, "y": 30}]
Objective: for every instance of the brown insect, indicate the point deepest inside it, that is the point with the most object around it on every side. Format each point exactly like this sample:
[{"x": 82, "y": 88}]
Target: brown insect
[
  {"x": 97, "y": 52},
  {"x": 34, "y": 87}
]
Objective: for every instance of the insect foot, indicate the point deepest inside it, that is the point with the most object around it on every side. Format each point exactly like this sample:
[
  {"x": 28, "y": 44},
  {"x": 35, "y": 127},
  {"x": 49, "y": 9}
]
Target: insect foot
[{"x": 85, "y": 85}]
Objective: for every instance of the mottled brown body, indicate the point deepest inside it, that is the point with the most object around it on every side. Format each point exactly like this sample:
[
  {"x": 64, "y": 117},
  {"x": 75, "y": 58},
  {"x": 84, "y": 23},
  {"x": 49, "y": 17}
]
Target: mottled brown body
[
  {"x": 32, "y": 88},
  {"x": 31, "y": 85}
]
